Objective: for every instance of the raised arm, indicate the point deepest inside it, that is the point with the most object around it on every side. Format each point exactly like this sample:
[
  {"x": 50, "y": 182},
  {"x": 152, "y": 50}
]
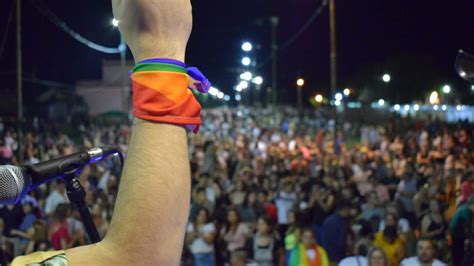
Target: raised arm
[{"x": 152, "y": 206}]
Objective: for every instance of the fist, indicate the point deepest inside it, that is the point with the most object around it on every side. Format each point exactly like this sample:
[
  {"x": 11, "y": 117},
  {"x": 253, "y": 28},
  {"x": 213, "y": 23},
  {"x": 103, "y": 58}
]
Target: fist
[{"x": 154, "y": 28}]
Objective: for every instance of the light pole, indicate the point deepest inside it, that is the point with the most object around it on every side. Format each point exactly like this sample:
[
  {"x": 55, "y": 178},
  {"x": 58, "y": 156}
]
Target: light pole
[
  {"x": 19, "y": 80},
  {"x": 386, "y": 78},
  {"x": 300, "y": 84},
  {"x": 446, "y": 89},
  {"x": 333, "y": 58},
  {"x": 123, "y": 55},
  {"x": 274, "y": 22}
]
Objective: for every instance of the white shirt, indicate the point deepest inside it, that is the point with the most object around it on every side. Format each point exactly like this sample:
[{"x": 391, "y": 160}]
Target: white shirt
[
  {"x": 413, "y": 261},
  {"x": 53, "y": 200},
  {"x": 284, "y": 203},
  {"x": 352, "y": 261},
  {"x": 311, "y": 254},
  {"x": 403, "y": 225},
  {"x": 199, "y": 245}
]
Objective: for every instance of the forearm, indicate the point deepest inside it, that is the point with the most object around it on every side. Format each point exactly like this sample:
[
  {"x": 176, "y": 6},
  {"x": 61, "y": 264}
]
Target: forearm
[{"x": 153, "y": 200}]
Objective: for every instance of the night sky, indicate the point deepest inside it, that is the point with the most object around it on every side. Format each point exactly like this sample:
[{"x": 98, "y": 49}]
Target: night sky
[{"x": 414, "y": 40}]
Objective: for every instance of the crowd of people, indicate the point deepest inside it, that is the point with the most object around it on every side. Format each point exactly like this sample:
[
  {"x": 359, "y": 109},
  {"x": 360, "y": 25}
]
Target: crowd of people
[{"x": 273, "y": 187}]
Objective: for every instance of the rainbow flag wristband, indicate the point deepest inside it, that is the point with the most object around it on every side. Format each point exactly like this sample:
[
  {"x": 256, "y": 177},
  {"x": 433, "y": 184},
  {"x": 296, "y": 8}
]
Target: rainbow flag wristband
[{"x": 162, "y": 92}]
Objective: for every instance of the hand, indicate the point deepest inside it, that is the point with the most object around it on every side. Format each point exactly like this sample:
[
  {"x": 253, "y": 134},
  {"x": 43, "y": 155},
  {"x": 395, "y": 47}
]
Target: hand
[{"x": 154, "y": 28}]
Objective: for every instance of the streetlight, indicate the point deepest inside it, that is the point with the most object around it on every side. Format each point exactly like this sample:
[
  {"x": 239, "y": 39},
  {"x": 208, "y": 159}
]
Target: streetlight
[
  {"x": 446, "y": 89},
  {"x": 434, "y": 97},
  {"x": 247, "y": 76},
  {"x": 246, "y": 61},
  {"x": 347, "y": 92},
  {"x": 338, "y": 96},
  {"x": 396, "y": 107},
  {"x": 213, "y": 91},
  {"x": 258, "y": 80},
  {"x": 299, "y": 84},
  {"x": 381, "y": 102},
  {"x": 247, "y": 47},
  {"x": 386, "y": 78},
  {"x": 319, "y": 98},
  {"x": 244, "y": 84},
  {"x": 115, "y": 22}
]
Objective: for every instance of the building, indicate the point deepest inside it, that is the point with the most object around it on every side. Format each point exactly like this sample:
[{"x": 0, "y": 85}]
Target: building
[{"x": 112, "y": 93}]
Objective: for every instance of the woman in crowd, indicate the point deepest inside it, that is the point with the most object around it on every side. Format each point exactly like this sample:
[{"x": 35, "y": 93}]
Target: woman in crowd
[
  {"x": 200, "y": 239},
  {"x": 377, "y": 257},
  {"x": 26, "y": 229},
  {"x": 391, "y": 243},
  {"x": 293, "y": 233},
  {"x": 58, "y": 230},
  {"x": 434, "y": 226},
  {"x": 234, "y": 233},
  {"x": 265, "y": 247}
]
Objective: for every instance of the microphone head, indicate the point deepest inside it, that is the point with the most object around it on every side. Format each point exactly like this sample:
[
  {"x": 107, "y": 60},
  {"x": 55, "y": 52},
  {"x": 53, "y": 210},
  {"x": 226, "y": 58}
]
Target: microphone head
[{"x": 14, "y": 184}]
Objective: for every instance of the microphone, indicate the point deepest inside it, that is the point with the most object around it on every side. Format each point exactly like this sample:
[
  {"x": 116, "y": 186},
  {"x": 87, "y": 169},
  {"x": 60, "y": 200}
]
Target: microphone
[{"x": 16, "y": 181}]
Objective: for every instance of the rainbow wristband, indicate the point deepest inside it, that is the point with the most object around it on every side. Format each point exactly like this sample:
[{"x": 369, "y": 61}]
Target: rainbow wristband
[{"x": 161, "y": 92}]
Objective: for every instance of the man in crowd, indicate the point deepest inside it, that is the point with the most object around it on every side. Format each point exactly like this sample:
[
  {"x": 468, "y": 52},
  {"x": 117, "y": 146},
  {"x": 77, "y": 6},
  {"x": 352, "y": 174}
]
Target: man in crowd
[
  {"x": 335, "y": 231},
  {"x": 425, "y": 255},
  {"x": 462, "y": 230}
]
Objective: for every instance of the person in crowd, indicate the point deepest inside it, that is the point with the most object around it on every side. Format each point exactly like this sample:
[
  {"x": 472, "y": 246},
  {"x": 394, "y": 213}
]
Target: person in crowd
[
  {"x": 372, "y": 208},
  {"x": 285, "y": 200},
  {"x": 25, "y": 231},
  {"x": 58, "y": 230},
  {"x": 249, "y": 209},
  {"x": 361, "y": 251},
  {"x": 425, "y": 255},
  {"x": 200, "y": 201},
  {"x": 308, "y": 252},
  {"x": 321, "y": 205},
  {"x": 56, "y": 197},
  {"x": 265, "y": 248},
  {"x": 293, "y": 234},
  {"x": 391, "y": 243},
  {"x": 12, "y": 217},
  {"x": 335, "y": 232},
  {"x": 39, "y": 241},
  {"x": 462, "y": 231},
  {"x": 377, "y": 257},
  {"x": 433, "y": 226},
  {"x": 234, "y": 234},
  {"x": 200, "y": 239}
]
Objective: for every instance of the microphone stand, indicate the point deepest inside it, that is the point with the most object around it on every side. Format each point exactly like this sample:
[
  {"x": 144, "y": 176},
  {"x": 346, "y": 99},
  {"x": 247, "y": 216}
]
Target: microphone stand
[{"x": 77, "y": 194}]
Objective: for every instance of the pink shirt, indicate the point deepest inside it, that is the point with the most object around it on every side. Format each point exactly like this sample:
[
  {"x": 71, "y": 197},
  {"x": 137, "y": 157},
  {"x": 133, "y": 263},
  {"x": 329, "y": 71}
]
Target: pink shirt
[{"x": 237, "y": 239}]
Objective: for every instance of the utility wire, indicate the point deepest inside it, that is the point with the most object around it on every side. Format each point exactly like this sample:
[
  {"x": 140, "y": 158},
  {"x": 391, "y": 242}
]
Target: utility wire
[
  {"x": 7, "y": 29},
  {"x": 53, "y": 18},
  {"x": 298, "y": 34}
]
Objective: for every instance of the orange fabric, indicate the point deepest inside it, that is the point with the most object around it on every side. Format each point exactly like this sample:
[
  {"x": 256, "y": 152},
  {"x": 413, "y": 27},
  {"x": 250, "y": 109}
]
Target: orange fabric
[{"x": 164, "y": 97}]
